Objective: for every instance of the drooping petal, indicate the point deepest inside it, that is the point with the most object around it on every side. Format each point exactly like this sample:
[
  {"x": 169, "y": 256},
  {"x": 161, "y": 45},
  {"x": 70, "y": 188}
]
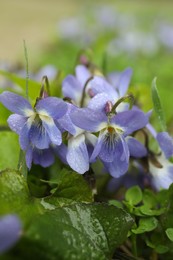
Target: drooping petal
[
  {"x": 16, "y": 122},
  {"x": 91, "y": 141},
  {"x": 100, "y": 85},
  {"x": 112, "y": 146},
  {"x": 124, "y": 81},
  {"x": 29, "y": 156},
  {"x": 162, "y": 177},
  {"x": 166, "y": 143},
  {"x": 38, "y": 136},
  {"x": 98, "y": 146},
  {"x": 82, "y": 74},
  {"x": 45, "y": 157},
  {"x": 77, "y": 154},
  {"x": 120, "y": 80},
  {"x": 116, "y": 168},
  {"x": 65, "y": 121},
  {"x": 16, "y": 103},
  {"x": 72, "y": 89},
  {"x": 130, "y": 121},
  {"x": 10, "y": 231},
  {"x": 52, "y": 130},
  {"x": 120, "y": 164},
  {"x": 88, "y": 119},
  {"x": 98, "y": 102},
  {"x": 24, "y": 133},
  {"x": 51, "y": 107},
  {"x": 61, "y": 152},
  {"x": 136, "y": 148},
  {"x": 151, "y": 130}
]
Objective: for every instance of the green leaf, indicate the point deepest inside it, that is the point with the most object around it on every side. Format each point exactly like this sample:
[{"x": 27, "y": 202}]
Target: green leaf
[
  {"x": 157, "y": 105},
  {"x": 9, "y": 150},
  {"x": 149, "y": 198},
  {"x": 161, "y": 249},
  {"x": 80, "y": 231},
  {"x": 34, "y": 87},
  {"x": 169, "y": 233},
  {"x": 134, "y": 195},
  {"x": 146, "y": 225},
  {"x": 144, "y": 209},
  {"x": 72, "y": 185},
  {"x": 15, "y": 196},
  {"x": 116, "y": 203}
]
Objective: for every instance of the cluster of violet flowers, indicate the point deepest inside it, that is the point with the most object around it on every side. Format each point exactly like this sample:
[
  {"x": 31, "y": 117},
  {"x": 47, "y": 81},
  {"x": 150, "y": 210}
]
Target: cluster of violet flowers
[{"x": 96, "y": 120}]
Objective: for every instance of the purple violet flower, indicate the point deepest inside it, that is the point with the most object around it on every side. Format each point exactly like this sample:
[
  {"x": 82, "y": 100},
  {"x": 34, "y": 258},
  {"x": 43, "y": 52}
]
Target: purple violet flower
[
  {"x": 73, "y": 86},
  {"x": 10, "y": 231},
  {"x": 36, "y": 127},
  {"x": 164, "y": 140},
  {"x": 111, "y": 146},
  {"x": 162, "y": 177},
  {"x": 103, "y": 92}
]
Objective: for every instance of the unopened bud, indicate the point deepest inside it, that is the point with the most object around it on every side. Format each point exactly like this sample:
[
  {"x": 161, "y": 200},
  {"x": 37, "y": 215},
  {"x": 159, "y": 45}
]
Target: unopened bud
[{"x": 108, "y": 107}]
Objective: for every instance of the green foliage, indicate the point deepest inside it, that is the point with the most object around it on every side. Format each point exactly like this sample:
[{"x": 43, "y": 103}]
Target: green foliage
[
  {"x": 34, "y": 87},
  {"x": 169, "y": 233},
  {"x": 152, "y": 213},
  {"x": 146, "y": 225},
  {"x": 71, "y": 185},
  {"x": 157, "y": 105},
  {"x": 9, "y": 150},
  {"x": 59, "y": 230},
  {"x": 134, "y": 195}
]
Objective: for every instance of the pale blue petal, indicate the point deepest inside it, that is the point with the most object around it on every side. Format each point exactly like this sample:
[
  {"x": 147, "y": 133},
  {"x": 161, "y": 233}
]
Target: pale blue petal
[
  {"x": 10, "y": 231},
  {"x": 77, "y": 154},
  {"x": 16, "y": 122},
  {"x": 88, "y": 119},
  {"x": 166, "y": 143},
  {"x": 91, "y": 141},
  {"x": 38, "y": 136},
  {"x": 72, "y": 89},
  {"x": 51, "y": 106},
  {"x": 120, "y": 164},
  {"x": 124, "y": 81},
  {"x": 65, "y": 121},
  {"x": 82, "y": 74},
  {"x": 61, "y": 152},
  {"x": 116, "y": 168},
  {"x": 99, "y": 101},
  {"x": 130, "y": 121},
  {"x": 100, "y": 85},
  {"x": 24, "y": 136},
  {"x": 53, "y": 132},
  {"x": 29, "y": 156},
  {"x": 45, "y": 157},
  {"x": 97, "y": 147},
  {"x": 15, "y": 103},
  {"x": 136, "y": 149}
]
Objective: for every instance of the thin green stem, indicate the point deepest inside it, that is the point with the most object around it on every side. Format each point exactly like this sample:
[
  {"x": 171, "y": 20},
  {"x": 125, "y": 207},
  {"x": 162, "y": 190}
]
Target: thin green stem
[
  {"x": 27, "y": 69},
  {"x": 22, "y": 164},
  {"x": 84, "y": 89},
  {"x": 134, "y": 245},
  {"x": 129, "y": 97}
]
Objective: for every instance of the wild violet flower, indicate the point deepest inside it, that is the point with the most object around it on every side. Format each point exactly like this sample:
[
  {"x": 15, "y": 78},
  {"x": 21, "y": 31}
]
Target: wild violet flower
[
  {"x": 102, "y": 91},
  {"x": 36, "y": 126},
  {"x": 161, "y": 172},
  {"x": 79, "y": 150},
  {"x": 10, "y": 231},
  {"x": 73, "y": 86},
  {"x": 111, "y": 147}
]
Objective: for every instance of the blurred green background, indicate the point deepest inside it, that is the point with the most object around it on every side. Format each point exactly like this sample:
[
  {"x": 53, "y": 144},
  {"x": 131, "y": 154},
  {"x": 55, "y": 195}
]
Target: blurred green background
[{"x": 55, "y": 32}]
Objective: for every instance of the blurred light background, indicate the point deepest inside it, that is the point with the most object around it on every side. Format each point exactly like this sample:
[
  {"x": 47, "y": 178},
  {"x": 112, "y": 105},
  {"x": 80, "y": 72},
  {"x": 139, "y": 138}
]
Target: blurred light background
[{"x": 35, "y": 21}]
